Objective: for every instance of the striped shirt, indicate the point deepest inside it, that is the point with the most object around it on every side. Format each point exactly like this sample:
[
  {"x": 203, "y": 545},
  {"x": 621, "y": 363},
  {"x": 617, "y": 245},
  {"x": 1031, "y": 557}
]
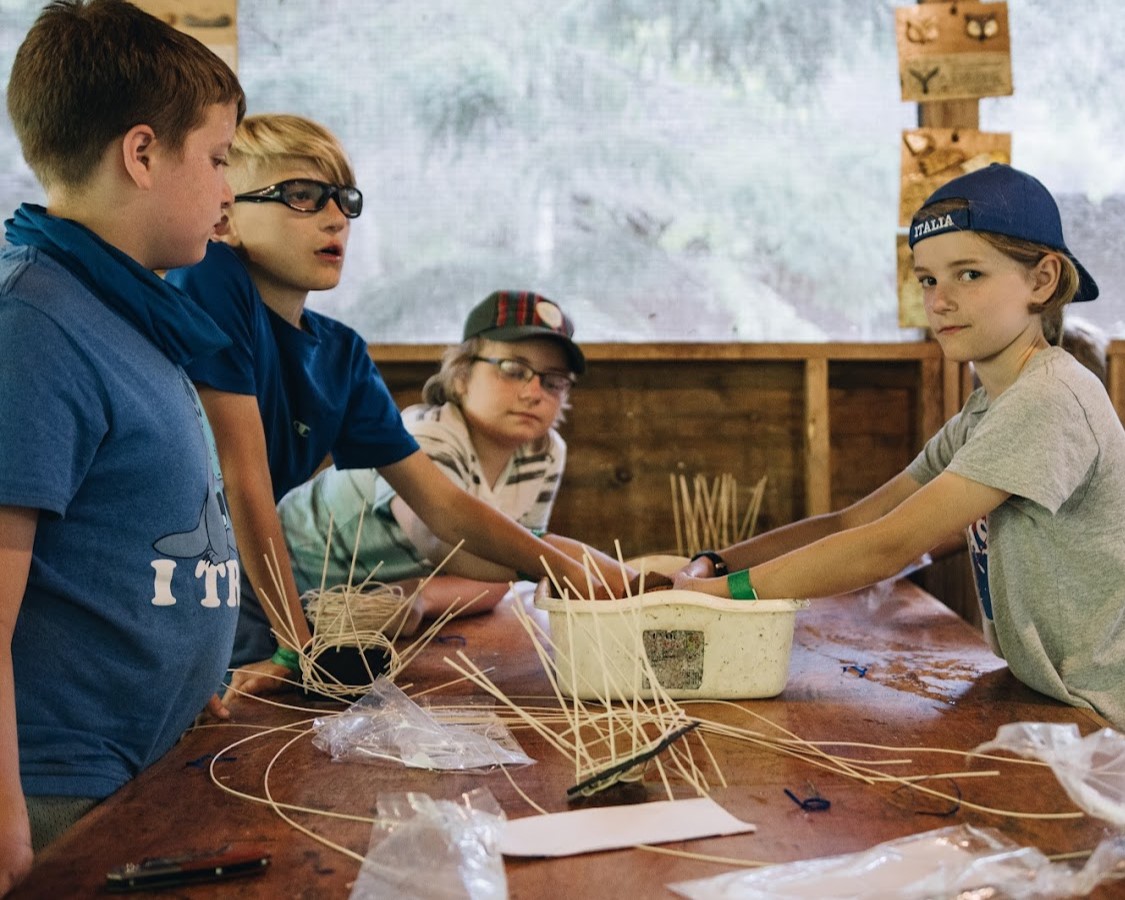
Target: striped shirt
[{"x": 525, "y": 491}]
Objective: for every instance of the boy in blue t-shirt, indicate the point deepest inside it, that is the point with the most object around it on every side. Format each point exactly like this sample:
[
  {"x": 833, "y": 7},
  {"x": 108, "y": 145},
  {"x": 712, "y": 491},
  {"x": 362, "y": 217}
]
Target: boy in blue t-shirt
[
  {"x": 118, "y": 571},
  {"x": 296, "y": 386}
]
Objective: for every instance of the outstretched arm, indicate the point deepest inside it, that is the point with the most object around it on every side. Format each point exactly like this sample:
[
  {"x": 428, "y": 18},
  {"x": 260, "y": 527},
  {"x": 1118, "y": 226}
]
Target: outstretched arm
[
  {"x": 462, "y": 563},
  {"x": 470, "y": 566},
  {"x": 872, "y": 549},
  {"x": 17, "y": 536},
  {"x": 452, "y": 514},
  {"x": 442, "y": 593},
  {"x": 241, "y": 444},
  {"x": 787, "y": 538}
]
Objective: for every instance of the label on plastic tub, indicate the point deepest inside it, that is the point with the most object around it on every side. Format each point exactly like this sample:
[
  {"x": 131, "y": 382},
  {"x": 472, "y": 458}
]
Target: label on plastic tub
[{"x": 676, "y": 657}]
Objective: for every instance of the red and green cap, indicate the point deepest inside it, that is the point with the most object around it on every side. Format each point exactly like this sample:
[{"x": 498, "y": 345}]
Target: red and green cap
[{"x": 513, "y": 316}]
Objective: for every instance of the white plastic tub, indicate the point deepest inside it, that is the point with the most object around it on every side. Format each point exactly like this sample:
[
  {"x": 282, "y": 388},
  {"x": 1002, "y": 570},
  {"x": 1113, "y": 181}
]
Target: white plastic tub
[{"x": 698, "y": 646}]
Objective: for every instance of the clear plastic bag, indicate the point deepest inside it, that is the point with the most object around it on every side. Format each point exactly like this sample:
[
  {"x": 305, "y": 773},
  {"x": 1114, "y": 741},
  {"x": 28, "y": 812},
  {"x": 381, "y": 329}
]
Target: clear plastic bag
[
  {"x": 434, "y": 849},
  {"x": 959, "y": 862},
  {"x": 1091, "y": 769},
  {"x": 387, "y": 725}
]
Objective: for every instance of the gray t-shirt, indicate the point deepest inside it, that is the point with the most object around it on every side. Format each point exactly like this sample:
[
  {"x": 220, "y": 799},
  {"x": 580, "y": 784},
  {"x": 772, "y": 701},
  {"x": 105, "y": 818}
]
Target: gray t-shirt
[
  {"x": 525, "y": 492},
  {"x": 1050, "y": 560}
]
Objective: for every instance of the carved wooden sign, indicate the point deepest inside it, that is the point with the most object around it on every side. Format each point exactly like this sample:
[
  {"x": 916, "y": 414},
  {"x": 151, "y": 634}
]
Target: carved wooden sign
[
  {"x": 933, "y": 156},
  {"x": 949, "y": 51}
]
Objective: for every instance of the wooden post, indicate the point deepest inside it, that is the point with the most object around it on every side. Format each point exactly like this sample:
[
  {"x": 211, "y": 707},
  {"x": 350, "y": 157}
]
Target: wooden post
[
  {"x": 932, "y": 411},
  {"x": 952, "y": 580},
  {"x": 818, "y": 456},
  {"x": 950, "y": 114},
  {"x": 956, "y": 379},
  {"x": 1115, "y": 376}
]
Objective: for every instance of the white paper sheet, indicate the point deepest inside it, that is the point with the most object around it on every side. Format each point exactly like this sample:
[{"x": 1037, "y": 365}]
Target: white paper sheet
[{"x": 613, "y": 827}]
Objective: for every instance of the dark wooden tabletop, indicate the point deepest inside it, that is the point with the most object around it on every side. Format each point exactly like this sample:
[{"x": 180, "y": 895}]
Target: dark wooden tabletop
[{"x": 891, "y": 666}]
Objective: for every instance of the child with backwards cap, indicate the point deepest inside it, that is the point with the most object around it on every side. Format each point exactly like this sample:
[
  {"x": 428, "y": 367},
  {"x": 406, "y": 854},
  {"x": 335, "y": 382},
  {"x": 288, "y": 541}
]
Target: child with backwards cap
[
  {"x": 1033, "y": 467},
  {"x": 488, "y": 420},
  {"x": 295, "y": 385},
  {"x": 118, "y": 573}
]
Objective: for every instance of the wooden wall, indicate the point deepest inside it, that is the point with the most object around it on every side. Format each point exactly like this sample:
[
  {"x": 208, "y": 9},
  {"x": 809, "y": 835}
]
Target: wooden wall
[{"x": 826, "y": 423}]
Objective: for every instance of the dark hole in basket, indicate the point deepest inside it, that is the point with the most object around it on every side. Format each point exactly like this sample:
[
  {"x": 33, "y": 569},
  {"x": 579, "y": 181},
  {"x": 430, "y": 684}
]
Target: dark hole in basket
[{"x": 345, "y": 665}]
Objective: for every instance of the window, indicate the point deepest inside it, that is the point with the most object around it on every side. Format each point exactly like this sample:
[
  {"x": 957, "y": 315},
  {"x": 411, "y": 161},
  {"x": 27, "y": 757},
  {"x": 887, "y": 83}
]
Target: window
[{"x": 664, "y": 169}]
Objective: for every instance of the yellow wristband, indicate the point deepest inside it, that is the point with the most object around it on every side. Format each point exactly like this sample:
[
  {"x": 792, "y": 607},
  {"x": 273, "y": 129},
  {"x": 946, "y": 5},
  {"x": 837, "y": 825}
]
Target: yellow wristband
[{"x": 738, "y": 583}]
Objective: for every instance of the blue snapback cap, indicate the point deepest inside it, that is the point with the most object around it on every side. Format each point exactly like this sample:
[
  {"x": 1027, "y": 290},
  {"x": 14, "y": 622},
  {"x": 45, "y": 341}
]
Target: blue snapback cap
[{"x": 1001, "y": 200}]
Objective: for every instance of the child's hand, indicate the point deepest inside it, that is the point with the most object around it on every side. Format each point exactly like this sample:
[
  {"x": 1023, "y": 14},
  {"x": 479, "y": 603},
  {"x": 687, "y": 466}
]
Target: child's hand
[
  {"x": 620, "y": 581},
  {"x": 407, "y": 619},
  {"x": 700, "y": 567},
  {"x": 653, "y": 581},
  {"x": 265, "y": 677},
  {"x": 216, "y": 708},
  {"x": 716, "y": 587},
  {"x": 15, "y": 845}
]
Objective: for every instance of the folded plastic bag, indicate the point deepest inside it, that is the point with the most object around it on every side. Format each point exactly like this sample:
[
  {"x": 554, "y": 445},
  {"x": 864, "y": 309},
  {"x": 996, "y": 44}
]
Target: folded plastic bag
[
  {"x": 434, "y": 849},
  {"x": 1091, "y": 769},
  {"x": 956, "y": 862},
  {"x": 387, "y": 725}
]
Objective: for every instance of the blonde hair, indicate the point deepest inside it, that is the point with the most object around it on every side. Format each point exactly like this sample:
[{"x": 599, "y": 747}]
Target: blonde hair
[
  {"x": 1029, "y": 254},
  {"x": 263, "y": 141},
  {"x": 447, "y": 385}
]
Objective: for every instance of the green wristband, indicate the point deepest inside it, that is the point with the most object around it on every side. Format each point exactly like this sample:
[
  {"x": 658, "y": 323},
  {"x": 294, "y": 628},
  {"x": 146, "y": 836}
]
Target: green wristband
[
  {"x": 284, "y": 656},
  {"x": 738, "y": 583}
]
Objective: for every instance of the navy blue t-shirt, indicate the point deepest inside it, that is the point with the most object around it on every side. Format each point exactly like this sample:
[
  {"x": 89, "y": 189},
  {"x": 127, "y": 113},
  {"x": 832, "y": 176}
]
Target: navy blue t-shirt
[{"x": 318, "y": 391}]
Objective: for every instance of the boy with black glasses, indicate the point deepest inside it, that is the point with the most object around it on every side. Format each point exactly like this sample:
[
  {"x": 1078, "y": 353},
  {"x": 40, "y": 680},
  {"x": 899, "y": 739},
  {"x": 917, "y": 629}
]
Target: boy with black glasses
[
  {"x": 296, "y": 385},
  {"x": 118, "y": 574}
]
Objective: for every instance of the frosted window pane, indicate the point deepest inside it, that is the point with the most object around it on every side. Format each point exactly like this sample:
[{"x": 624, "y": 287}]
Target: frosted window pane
[{"x": 665, "y": 169}]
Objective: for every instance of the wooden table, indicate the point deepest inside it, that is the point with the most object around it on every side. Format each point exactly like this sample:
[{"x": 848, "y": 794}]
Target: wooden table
[{"x": 890, "y": 666}]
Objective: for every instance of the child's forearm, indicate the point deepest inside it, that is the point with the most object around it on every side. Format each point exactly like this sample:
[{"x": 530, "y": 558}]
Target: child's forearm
[
  {"x": 841, "y": 562},
  {"x": 463, "y": 596},
  {"x": 17, "y": 537},
  {"x": 241, "y": 445},
  {"x": 566, "y": 561},
  {"x": 15, "y": 832},
  {"x": 462, "y": 563},
  {"x": 452, "y": 514},
  {"x": 788, "y": 538},
  {"x": 581, "y": 552},
  {"x": 836, "y": 564},
  {"x": 504, "y": 541},
  {"x": 473, "y": 566},
  {"x": 779, "y": 541},
  {"x": 286, "y": 615},
  {"x": 258, "y": 533}
]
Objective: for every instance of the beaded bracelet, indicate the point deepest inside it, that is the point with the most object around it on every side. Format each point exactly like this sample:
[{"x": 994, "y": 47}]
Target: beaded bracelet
[
  {"x": 738, "y": 583},
  {"x": 285, "y": 656}
]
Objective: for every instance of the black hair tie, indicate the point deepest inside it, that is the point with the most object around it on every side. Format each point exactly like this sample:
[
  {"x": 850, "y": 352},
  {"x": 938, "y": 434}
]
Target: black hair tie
[{"x": 720, "y": 564}]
